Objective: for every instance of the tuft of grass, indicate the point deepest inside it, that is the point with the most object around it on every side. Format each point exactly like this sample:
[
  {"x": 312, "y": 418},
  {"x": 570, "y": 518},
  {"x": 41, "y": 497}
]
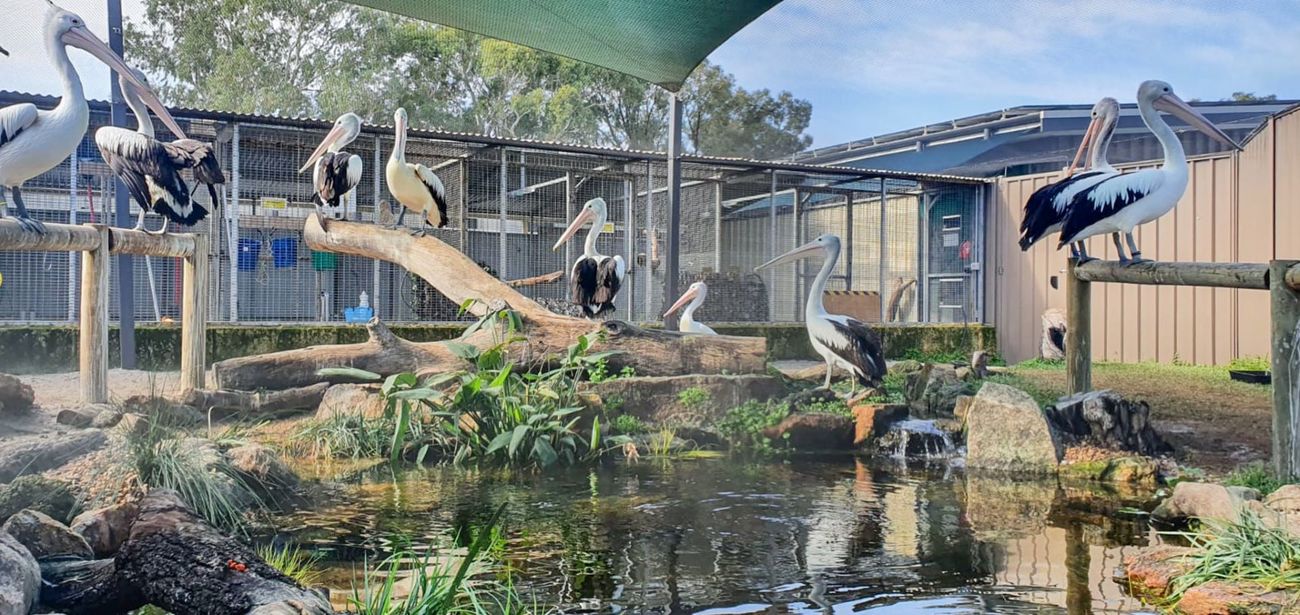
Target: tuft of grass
[
  {"x": 692, "y": 397},
  {"x": 1258, "y": 476},
  {"x": 347, "y": 436},
  {"x": 1246, "y": 551},
  {"x": 293, "y": 562}
]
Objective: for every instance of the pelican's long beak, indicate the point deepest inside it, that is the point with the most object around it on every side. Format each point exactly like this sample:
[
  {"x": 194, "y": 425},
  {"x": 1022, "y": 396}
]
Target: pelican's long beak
[
  {"x": 1171, "y": 103},
  {"x": 803, "y": 251},
  {"x": 333, "y": 137},
  {"x": 3, "y": 52},
  {"x": 81, "y": 38},
  {"x": 686, "y": 298},
  {"x": 1088, "y": 137},
  {"x": 581, "y": 219}
]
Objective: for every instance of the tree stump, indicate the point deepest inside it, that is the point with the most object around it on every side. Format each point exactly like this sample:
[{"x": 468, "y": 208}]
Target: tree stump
[{"x": 1106, "y": 420}]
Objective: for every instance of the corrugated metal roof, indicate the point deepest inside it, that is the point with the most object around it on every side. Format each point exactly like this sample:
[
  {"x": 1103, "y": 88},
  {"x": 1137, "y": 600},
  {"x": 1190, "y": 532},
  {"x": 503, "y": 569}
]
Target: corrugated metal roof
[{"x": 9, "y": 97}]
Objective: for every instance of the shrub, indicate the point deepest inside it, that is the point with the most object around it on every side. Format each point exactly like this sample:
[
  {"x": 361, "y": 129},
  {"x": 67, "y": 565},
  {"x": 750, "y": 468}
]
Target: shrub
[
  {"x": 692, "y": 397},
  {"x": 629, "y": 425},
  {"x": 1250, "y": 364},
  {"x": 1258, "y": 476}
]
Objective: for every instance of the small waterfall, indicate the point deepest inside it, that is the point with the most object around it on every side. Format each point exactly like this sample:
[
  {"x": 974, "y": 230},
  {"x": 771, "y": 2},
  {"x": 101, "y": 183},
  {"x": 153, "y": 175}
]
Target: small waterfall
[
  {"x": 916, "y": 438},
  {"x": 1293, "y": 373}
]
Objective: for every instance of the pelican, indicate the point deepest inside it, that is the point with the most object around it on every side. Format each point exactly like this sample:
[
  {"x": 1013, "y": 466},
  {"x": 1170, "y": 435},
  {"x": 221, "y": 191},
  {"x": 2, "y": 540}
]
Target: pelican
[
  {"x": 414, "y": 185},
  {"x": 151, "y": 169},
  {"x": 1120, "y": 203},
  {"x": 1046, "y": 208},
  {"x": 33, "y": 141},
  {"x": 693, "y": 298},
  {"x": 840, "y": 340},
  {"x": 595, "y": 278},
  {"x": 336, "y": 172}
]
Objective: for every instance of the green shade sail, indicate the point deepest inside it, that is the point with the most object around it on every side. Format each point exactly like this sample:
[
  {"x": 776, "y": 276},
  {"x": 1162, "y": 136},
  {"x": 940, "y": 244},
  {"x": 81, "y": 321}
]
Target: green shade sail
[{"x": 660, "y": 41}]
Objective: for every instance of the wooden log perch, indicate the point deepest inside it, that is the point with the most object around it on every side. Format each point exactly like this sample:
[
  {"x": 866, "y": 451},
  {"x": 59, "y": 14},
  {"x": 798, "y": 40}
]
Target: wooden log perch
[
  {"x": 548, "y": 335},
  {"x": 255, "y": 404},
  {"x": 545, "y": 278},
  {"x": 1221, "y": 275}
]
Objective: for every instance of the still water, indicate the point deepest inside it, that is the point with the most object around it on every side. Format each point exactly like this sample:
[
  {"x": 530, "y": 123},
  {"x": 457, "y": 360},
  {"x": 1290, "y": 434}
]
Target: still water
[{"x": 815, "y": 535}]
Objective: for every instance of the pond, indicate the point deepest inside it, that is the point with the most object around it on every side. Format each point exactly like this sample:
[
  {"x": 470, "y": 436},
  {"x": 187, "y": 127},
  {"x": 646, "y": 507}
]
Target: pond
[{"x": 821, "y": 534}]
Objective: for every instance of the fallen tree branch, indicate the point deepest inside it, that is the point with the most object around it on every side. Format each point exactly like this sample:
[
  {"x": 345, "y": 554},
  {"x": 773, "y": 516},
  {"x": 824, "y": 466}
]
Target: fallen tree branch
[
  {"x": 223, "y": 404},
  {"x": 545, "y": 278}
]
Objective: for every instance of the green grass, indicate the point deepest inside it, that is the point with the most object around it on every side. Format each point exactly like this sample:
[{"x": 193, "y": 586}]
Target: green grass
[
  {"x": 295, "y": 563},
  {"x": 346, "y": 436},
  {"x": 1257, "y": 476},
  {"x": 1242, "y": 552}
]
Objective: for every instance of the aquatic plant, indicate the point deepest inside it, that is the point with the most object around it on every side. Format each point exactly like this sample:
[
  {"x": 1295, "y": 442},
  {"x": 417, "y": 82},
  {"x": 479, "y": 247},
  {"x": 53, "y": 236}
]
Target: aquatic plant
[
  {"x": 1257, "y": 475},
  {"x": 743, "y": 425},
  {"x": 1243, "y": 551},
  {"x": 293, "y": 562}
]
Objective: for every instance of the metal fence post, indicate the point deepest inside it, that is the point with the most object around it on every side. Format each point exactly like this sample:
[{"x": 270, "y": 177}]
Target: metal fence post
[
  {"x": 122, "y": 206},
  {"x": 771, "y": 247},
  {"x": 717, "y": 227},
  {"x": 848, "y": 242},
  {"x": 463, "y": 231},
  {"x": 501, "y": 220},
  {"x": 629, "y": 246},
  {"x": 232, "y": 224},
  {"x": 72, "y": 256},
  {"x": 568, "y": 214},
  {"x": 672, "y": 245},
  {"x": 649, "y": 240},
  {"x": 796, "y": 234},
  {"x": 376, "y": 201},
  {"x": 884, "y": 252}
]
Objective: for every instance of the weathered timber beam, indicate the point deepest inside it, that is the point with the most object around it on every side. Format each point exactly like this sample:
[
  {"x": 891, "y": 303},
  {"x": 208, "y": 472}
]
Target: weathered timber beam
[
  {"x": 57, "y": 238},
  {"x": 1292, "y": 277},
  {"x": 1221, "y": 275},
  {"x": 140, "y": 243},
  {"x": 545, "y": 278}
]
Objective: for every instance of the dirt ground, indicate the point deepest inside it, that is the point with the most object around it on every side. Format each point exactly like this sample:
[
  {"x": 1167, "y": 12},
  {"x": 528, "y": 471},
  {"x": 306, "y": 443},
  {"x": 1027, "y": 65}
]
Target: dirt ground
[
  {"x": 55, "y": 392},
  {"x": 1213, "y": 422}
]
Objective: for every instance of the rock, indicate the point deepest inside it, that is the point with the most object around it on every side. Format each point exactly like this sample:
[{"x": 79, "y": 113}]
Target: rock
[
  {"x": 961, "y": 409},
  {"x": 76, "y": 417},
  {"x": 932, "y": 391},
  {"x": 46, "y": 538},
  {"x": 699, "y": 438},
  {"x": 803, "y": 400},
  {"x": 1245, "y": 494},
  {"x": 15, "y": 396},
  {"x": 1286, "y": 503},
  {"x": 1222, "y": 598},
  {"x": 20, "y": 577},
  {"x": 36, "y": 454},
  {"x": 133, "y": 424},
  {"x": 814, "y": 432},
  {"x": 684, "y": 400},
  {"x": 45, "y": 495},
  {"x": 1149, "y": 571},
  {"x": 916, "y": 439},
  {"x": 361, "y": 400},
  {"x": 1198, "y": 501},
  {"x": 1120, "y": 469},
  {"x": 873, "y": 420},
  {"x": 906, "y": 366},
  {"x": 259, "y": 465},
  {"x": 105, "y": 529},
  {"x": 809, "y": 371},
  {"x": 1006, "y": 432},
  {"x": 108, "y": 417},
  {"x": 1052, "y": 347},
  {"x": 165, "y": 411},
  {"x": 1105, "y": 420}
]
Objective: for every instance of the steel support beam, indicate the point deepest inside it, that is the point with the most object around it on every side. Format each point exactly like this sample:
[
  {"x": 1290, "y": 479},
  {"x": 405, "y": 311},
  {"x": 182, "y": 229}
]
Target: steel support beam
[{"x": 672, "y": 246}]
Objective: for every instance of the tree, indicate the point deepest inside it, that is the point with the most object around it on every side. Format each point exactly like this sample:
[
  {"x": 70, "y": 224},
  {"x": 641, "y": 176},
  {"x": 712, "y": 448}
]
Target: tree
[
  {"x": 1251, "y": 97},
  {"x": 323, "y": 58}
]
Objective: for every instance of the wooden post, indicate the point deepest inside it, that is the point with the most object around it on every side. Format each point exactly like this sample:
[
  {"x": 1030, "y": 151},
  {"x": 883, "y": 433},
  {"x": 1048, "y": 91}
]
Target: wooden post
[
  {"x": 1078, "y": 332},
  {"x": 93, "y": 346},
  {"x": 194, "y": 317},
  {"x": 1286, "y": 362}
]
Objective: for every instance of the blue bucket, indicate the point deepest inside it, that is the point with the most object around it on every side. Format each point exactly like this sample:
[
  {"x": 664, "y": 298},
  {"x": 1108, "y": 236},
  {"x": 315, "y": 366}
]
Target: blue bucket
[
  {"x": 285, "y": 252},
  {"x": 249, "y": 249}
]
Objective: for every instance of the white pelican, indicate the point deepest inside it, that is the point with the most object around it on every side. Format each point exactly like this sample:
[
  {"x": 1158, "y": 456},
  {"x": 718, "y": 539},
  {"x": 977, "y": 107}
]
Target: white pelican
[
  {"x": 33, "y": 141},
  {"x": 337, "y": 172},
  {"x": 840, "y": 340},
  {"x": 1121, "y": 202},
  {"x": 152, "y": 169},
  {"x": 693, "y": 298},
  {"x": 595, "y": 278},
  {"x": 414, "y": 185},
  {"x": 1046, "y": 208}
]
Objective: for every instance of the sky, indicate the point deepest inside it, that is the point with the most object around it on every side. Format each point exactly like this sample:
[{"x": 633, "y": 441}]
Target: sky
[{"x": 876, "y": 66}]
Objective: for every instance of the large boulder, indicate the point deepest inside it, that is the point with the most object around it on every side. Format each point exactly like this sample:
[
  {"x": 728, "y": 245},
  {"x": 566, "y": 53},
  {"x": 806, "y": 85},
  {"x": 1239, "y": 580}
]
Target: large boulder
[
  {"x": 15, "y": 396},
  {"x": 874, "y": 420},
  {"x": 46, "y": 495},
  {"x": 105, "y": 529},
  {"x": 1220, "y": 598},
  {"x": 361, "y": 400},
  {"x": 46, "y": 538},
  {"x": 20, "y": 577},
  {"x": 814, "y": 431},
  {"x": 163, "y": 411},
  {"x": 1199, "y": 501},
  {"x": 1106, "y": 420},
  {"x": 1286, "y": 503},
  {"x": 933, "y": 390},
  {"x": 1007, "y": 432},
  {"x": 36, "y": 454},
  {"x": 1101, "y": 465},
  {"x": 687, "y": 400}
]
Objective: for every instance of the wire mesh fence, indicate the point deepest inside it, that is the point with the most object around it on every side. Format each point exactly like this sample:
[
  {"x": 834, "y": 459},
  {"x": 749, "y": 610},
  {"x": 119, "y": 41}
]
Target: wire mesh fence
[{"x": 911, "y": 244}]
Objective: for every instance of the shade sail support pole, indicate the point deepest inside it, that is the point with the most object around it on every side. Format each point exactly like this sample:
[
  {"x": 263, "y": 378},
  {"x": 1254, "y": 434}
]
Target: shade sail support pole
[{"x": 672, "y": 244}]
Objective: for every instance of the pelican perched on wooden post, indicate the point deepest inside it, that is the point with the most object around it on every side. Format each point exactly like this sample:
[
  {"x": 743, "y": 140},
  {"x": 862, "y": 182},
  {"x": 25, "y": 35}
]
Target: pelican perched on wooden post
[
  {"x": 842, "y": 341},
  {"x": 1046, "y": 208},
  {"x": 336, "y": 172},
  {"x": 151, "y": 169},
  {"x": 693, "y": 298},
  {"x": 1120, "y": 203},
  {"x": 414, "y": 185},
  {"x": 33, "y": 141},
  {"x": 594, "y": 279}
]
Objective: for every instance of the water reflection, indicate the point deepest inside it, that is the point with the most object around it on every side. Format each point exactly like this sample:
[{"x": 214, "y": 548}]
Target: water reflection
[{"x": 723, "y": 536}]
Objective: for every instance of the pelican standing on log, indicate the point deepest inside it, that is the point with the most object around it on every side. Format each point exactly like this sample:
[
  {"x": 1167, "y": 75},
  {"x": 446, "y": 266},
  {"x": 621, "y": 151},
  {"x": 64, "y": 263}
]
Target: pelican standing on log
[
  {"x": 1120, "y": 203},
  {"x": 336, "y": 172},
  {"x": 595, "y": 278},
  {"x": 693, "y": 298},
  {"x": 1046, "y": 208},
  {"x": 414, "y": 185},
  {"x": 151, "y": 169},
  {"x": 842, "y": 341},
  {"x": 33, "y": 141}
]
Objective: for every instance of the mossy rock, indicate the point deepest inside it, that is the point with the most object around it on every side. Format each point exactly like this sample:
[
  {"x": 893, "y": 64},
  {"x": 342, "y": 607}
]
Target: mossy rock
[
  {"x": 1124, "y": 470},
  {"x": 46, "y": 495}
]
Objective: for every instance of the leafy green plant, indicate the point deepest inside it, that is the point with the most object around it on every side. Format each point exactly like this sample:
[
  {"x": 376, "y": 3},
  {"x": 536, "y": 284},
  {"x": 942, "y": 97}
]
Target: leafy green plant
[
  {"x": 743, "y": 425},
  {"x": 295, "y": 563},
  {"x": 1243, "y": 551},
  {"x": 1250, "y": 364},
  {"x": 599, "y": 372},
  {"x": 692, "y": 397},
  {"x": 834, "y": 406},
  {"x": 629, "y": 425},
  {"x": 1258, "y": 476}
]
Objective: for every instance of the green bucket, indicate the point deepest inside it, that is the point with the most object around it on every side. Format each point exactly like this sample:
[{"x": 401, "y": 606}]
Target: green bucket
[{"x": 324, "y": 261}]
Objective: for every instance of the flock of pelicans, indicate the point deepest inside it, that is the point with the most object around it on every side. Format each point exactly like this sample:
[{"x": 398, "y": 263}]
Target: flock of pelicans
[{"x": 1097, "y": 201}]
